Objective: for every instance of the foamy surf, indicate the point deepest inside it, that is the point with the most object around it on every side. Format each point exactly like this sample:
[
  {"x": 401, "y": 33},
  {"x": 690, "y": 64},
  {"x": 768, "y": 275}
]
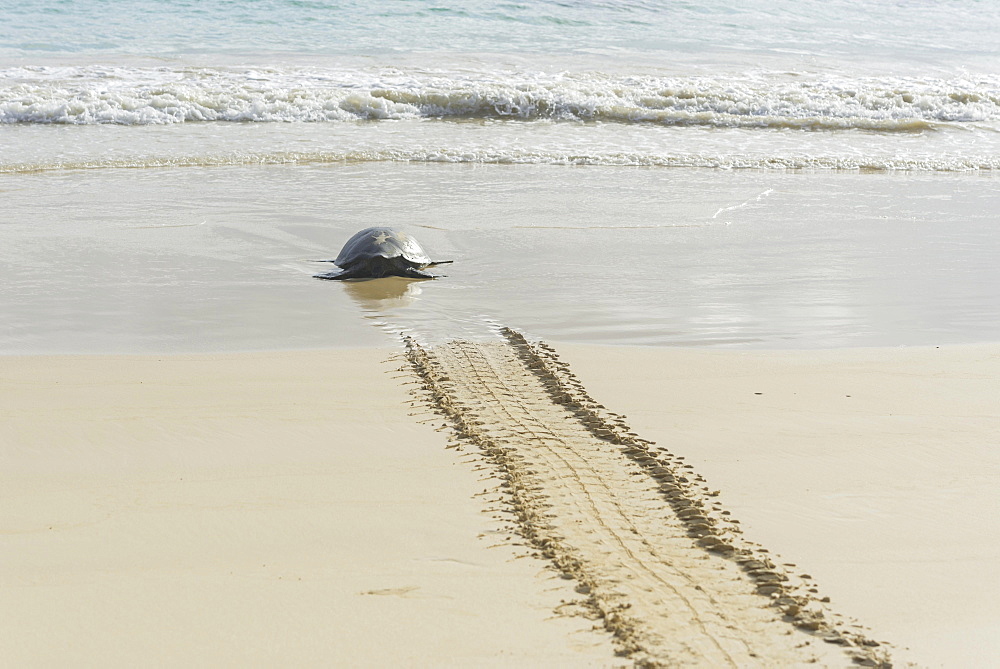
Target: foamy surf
[
  {"x": 143, "y": 96},
  {"x": 874, "y": 163}
]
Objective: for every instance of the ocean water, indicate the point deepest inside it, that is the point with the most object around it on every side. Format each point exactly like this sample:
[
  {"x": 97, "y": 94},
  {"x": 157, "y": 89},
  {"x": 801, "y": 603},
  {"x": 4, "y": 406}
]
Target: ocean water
[{"x": 620, "y": 171}]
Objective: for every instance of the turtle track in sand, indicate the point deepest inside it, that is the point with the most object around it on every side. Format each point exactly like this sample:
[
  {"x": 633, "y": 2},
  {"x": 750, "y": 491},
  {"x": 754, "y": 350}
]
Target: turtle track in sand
[{"x": 656, "y": 557}]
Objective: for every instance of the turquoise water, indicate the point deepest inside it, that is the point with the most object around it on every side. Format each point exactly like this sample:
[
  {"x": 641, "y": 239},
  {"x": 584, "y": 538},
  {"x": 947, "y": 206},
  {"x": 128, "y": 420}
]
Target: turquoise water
[
  {"x": 946, "y": 35},
  {"x": 125, "y": 128}
]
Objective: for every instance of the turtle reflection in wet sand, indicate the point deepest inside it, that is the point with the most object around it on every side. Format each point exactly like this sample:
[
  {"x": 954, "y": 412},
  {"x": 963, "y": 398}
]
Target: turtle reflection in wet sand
[{"x": 378, "y": 252}]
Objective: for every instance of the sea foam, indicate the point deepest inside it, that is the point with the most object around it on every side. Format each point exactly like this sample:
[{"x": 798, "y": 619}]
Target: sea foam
[
  {"x": 733, "y": 161},
  {"x": 144, "y": 96}
]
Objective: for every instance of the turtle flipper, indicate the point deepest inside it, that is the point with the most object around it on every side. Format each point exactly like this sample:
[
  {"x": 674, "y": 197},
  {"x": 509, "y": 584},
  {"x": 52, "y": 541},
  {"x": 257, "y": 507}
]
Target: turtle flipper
[
  {"x": 338, "y": 275},
  {"x": 414, "y": 273},
  {"x": 439, "y": 262}
]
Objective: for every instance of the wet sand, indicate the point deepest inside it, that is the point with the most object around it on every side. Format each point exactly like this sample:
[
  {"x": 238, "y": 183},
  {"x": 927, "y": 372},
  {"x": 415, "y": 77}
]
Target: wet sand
[
  {"x": 303, "y": 508},
  {"x": 219, "y": 260}
]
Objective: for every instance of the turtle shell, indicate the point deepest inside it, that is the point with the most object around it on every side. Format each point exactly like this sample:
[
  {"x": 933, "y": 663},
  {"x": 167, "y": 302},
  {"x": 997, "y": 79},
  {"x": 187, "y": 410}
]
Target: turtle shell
[{"x": 381, "y": 242}]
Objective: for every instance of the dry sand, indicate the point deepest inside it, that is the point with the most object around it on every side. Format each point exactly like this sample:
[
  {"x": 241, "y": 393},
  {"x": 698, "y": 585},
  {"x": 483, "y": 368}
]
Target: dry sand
[
  {"x": 876, "y": 470},
  {"x": 289, "y": 508},
  {"x": 267, "y": 509}
]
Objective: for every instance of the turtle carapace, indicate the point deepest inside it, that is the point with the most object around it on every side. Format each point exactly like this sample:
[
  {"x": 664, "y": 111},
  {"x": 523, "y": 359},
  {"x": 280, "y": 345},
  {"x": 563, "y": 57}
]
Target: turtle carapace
[{"x": 377, "y": 252}]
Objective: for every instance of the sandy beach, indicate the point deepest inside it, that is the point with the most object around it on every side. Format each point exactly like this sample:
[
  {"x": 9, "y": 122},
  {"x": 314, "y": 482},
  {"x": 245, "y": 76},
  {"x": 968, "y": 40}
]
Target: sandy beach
[
  {"x": 303, "y": 508},
  {"x": 254, "y": 510},
  {"x": 709, "y": 378},
  {"x": 873, "y": 469}
]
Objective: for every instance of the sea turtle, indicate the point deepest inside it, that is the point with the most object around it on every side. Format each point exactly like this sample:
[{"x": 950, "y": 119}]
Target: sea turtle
[{"x": 377, "y": 252}]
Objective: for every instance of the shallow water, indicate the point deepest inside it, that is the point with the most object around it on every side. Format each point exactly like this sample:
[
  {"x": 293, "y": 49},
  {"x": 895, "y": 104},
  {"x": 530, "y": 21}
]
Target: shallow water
[
  {"x": 219, "y": 258},
  {"x": 922, "y": 35}
]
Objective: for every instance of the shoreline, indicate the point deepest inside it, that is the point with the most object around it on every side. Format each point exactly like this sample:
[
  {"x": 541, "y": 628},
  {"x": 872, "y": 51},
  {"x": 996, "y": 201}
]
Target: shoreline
[
  {"x": 189, "y": 492},
  {"x": 691, "y": 258}
]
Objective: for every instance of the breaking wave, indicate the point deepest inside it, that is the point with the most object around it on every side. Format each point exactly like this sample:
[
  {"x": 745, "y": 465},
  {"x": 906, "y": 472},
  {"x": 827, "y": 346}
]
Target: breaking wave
[{"x": 144, "y": 96}]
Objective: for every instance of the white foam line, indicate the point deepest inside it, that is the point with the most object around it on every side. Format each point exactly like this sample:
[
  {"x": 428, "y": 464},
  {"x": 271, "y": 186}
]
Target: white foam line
[{"x": 743, "y": 204}]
